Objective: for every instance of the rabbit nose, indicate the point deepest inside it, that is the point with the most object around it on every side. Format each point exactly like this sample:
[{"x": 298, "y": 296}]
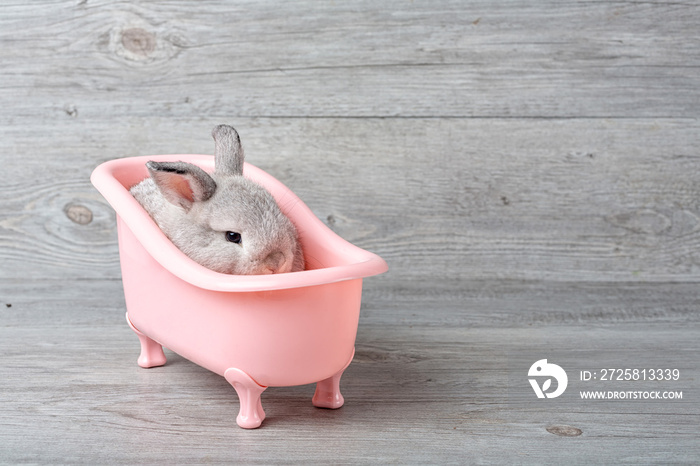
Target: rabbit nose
[{"x": 274, "y": 261}]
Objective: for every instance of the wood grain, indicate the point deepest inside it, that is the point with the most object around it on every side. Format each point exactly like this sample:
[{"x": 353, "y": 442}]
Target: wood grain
[
  {"x": 414, "y": 394},
  {"x": 478, "y": 198},
  {"x": 529, "y": 170},
  {"x": 394, "y": 59}
]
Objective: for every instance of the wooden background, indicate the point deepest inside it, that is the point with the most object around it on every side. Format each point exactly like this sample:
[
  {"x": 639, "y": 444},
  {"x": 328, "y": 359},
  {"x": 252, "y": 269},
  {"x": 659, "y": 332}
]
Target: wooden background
[{"x": 529, "y": 170}]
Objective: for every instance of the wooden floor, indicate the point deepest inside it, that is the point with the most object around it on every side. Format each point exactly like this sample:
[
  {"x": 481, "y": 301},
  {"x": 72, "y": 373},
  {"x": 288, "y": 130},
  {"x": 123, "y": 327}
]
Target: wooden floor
[{"x": 529, "y": 170}]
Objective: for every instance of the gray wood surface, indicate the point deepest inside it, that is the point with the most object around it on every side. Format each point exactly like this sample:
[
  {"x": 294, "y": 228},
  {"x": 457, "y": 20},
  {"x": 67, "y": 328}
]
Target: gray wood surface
[{"x": 529, "y": 170}]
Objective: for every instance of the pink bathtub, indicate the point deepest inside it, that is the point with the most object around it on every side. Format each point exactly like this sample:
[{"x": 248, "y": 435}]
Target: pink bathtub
[{"x": 256, "y": 331}]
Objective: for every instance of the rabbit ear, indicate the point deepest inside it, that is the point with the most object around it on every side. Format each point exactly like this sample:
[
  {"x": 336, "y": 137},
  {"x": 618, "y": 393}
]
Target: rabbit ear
[
  {"x": 182, "y": 183},
  {"x": 228, "y": 153}
]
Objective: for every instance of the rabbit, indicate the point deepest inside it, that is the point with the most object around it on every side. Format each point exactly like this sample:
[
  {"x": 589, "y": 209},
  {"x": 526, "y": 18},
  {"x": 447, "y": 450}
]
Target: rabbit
[{"x": 222, "y": 221}]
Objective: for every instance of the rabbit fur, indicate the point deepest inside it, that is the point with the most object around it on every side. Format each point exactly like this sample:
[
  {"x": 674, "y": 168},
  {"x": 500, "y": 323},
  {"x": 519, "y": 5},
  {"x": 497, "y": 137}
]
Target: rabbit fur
[{"x": 222, "y": 221}]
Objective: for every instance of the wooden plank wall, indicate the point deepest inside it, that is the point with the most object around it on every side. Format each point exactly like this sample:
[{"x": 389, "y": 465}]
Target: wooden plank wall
[
  {"x": 488, "y": 140},
  {"x": 515, "y": 163}
]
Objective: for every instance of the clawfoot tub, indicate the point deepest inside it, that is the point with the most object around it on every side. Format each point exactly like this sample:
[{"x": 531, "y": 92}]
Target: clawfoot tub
[{"x": 256, "y": 331}]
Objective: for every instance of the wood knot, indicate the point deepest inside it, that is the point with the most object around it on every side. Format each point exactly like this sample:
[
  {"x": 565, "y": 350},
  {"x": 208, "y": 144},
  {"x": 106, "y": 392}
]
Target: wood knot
[
  {"x": 138, "y": 41},
  {"x": 71, "y": 111},
  {"x": 564, "y": 431},
  {"x": 78, "y": 214},
  {"x": 642, "y": 221},
  {"x": 141, "y": 44}
]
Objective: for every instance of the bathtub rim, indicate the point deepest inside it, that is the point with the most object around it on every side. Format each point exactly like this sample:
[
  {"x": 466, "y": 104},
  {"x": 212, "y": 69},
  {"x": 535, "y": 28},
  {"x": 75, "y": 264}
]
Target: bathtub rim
[{"x": 106, "y": 180}]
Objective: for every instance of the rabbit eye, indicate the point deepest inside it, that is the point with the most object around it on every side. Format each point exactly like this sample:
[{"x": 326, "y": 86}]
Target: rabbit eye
[{"x": 234, "y": 237}]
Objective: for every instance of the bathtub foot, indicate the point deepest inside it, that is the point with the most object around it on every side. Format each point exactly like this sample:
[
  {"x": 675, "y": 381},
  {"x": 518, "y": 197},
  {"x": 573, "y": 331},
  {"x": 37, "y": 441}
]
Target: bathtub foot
[
  {"x": 328, "y": 391},
  {"x": 151, "y": 352},
  {"x": 251, "y": 413}
]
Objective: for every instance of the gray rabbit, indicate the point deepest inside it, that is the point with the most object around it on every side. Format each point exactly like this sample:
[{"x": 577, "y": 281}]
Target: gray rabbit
[{"x": 223, "y": 221}]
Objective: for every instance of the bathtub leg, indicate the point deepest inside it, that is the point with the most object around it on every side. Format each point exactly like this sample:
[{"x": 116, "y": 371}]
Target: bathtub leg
[
  {"x": 251, "y": 413},
  {"x": 151, "y": 352},
  {"x": 328, "y": 391}
]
